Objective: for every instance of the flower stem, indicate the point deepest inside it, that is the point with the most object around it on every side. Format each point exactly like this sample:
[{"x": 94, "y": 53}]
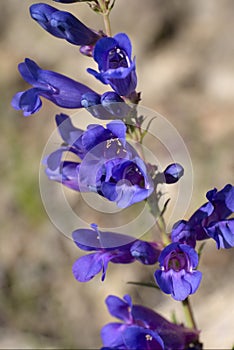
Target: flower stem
[
  {"x": 105, "y": 12},
  {"x": 189, "y": 314}
]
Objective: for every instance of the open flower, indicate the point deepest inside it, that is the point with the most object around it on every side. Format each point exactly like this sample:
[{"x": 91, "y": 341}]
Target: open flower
[
  {"x": 209, "y": 221},
  {"x": 55, "y": 87},
  {"x": 177, "y": 275},
  {"x": 115, "y": 65},
  {"x": 63, "y": 24},
  {"x": 106, "y": 163},
  {"x": 109, "y": 247},
  {"x": 142, "y": 328}
]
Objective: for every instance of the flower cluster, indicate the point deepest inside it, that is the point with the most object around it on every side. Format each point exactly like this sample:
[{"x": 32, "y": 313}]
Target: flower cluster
[
  {"x": 102, "y": 160},
  {"x": 209, "y": 221},
  {"x": 142, "y": 328},
  {"x": 108, "y": 164},
  {"x": 113, "y": 56}
]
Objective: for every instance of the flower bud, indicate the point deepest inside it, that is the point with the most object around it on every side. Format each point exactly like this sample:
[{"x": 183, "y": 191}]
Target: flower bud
[{"x": 173, "y": 173}]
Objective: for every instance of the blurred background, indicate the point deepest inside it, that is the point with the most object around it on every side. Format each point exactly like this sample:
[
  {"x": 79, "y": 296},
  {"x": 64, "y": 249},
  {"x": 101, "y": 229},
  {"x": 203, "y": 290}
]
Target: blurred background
[{"x": 185, "y": 66}]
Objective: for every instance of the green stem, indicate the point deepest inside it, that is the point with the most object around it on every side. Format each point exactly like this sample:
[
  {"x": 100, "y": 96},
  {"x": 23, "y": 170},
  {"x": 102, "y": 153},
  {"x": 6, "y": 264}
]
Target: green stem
[
  {"x": 189, "y": 314},
  {"x": 162, "y": 227},
  {"x": 106, "y": 18}
]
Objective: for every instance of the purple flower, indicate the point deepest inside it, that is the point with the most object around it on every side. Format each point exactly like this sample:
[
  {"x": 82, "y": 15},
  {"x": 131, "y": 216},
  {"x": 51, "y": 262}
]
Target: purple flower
[
  {"x": 142, "y": 328},
  {"x": 211, "y": 217},
  {"x": 109, "y": 247},
  {"x": 107, "y": 164},
  {"x": 115, "y": 65},
  {"x": 63, "y": 25},
  {"x": 177, "y": 275},
  {"x": 173, "y": 173},
  {"x": 126, "y": 182},
  {"x": 55, "y": 87}
]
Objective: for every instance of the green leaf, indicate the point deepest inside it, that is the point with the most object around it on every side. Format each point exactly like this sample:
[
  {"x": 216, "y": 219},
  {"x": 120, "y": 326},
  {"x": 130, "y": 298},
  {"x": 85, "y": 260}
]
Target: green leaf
[{"x": 165, "y": 206}]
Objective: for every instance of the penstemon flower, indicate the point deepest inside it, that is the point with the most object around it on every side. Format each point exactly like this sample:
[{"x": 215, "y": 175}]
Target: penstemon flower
[
  {"x": 109, "y": 165},
  {"x": 101, "y": 159},
  {"x": 55, "y": 87},
  {"x": 109, "y": 247},
  {"x": 63, "y": 25},
  {"x": 209, "y": 221},
  {"x": 142, "y": 328},
  {"x": 177, "y": 275},
  {"x": 113, "y": 56}
]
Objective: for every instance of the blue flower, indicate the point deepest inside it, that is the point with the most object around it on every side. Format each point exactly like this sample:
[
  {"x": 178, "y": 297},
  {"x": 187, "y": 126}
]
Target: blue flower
[
  {"x": 109, "y": 247},
  {"x": 107, "y": 164},
  {"x": 177, "y": 275},
  {"x": 142, "y": 328},
  {"x": 209, "y": 221},
  {"x": 55, "y": 87},
  {"x": 126, "y": 182},
  {"x": 63, "y": 25},
  {"x": 173, "y": 173},
  {"x": 115, "y": 65}
]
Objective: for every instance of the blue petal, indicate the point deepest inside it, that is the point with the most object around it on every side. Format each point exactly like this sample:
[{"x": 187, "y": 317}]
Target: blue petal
[
  {"x": 164, "y": 281},
  {"x": 95, "y": 239},
  {"x": 111, "y": 335},
  {"x": 182, "y": 232},
  {"x": 42, "y": 13},
  {"x": 118, "y": 308},
  {"x": 194, "y": 279},
  {"x": 101, "y": 52},
  {"x": 68, "y": 132},
  {"x": 67, "y": 93},
  {"x": 138, "y": 338},
  {"x": 27, "y": 101},
  {"x": 86, "y": 267},
  {"x": 118, "y": 129},
  {"x": 144, "y": 252},
  {"x": 29, "y": 70},
  {"x": 191, "y": 254},
  {"x": 124, "y": 43},
  {"x": 72, "y": 29},
  {"x": 223, "y": 233},
  {"x": 180, "y": 287}
]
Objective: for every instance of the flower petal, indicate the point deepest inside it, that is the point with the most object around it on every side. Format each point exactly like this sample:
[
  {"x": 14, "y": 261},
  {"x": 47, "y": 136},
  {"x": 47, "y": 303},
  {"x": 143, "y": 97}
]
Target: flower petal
[{"x": 86, "y": 267}]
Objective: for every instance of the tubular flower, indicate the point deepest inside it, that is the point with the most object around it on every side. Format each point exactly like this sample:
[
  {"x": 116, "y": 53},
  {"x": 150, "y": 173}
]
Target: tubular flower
[
  {"x": 177, "y": 275},
  {"x": 63, "y": 25},
  {"x": 142, "y": 328},
  {"x": 115, "y": 65},
  {"x": 209, "y": 221},
  {"x": 109, "y": 247},
  {"x": 107, "y": 164},
  {"x": 55, "y": 87}
]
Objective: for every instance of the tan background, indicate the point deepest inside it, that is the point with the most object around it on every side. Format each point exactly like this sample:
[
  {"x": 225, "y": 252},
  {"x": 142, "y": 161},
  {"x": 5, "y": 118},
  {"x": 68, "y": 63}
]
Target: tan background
[{"x": 185, "y": 66}]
